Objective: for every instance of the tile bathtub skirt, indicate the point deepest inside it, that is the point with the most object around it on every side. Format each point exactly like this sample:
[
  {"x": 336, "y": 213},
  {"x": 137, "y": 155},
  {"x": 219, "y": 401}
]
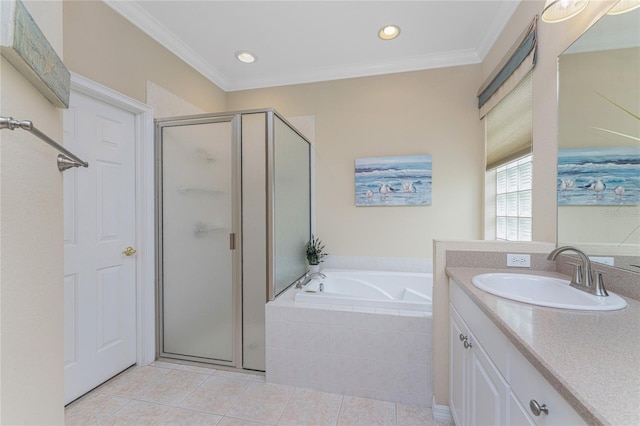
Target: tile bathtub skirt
[{"x": 369, "y": 353}]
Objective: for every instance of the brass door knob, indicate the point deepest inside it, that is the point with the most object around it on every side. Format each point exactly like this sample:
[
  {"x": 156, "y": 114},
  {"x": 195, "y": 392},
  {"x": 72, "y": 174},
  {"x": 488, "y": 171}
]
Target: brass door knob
[{"x": 129, "y": 251}]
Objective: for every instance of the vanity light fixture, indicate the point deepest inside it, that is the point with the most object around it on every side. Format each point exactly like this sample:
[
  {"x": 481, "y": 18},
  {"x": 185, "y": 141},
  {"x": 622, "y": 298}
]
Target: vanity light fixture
[
  {"x": 624, "y": 6},
  {"x": 245, "y": 56},
  {"x": 389, "y": 32},
  {"x": 561, "y": 10}
]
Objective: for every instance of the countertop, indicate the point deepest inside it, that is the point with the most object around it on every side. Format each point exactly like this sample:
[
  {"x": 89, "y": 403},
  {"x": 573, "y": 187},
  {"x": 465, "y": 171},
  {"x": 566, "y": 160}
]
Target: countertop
[{"x": 591, "y": 358}]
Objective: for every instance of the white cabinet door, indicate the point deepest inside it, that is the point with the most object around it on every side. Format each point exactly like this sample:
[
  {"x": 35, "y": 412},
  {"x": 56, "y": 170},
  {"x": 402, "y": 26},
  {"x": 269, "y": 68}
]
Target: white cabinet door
[
  {"x": 99, "y": 224},
  {"x": 481, "y": 393},
  {"x": 487, "y": 390},
  {"x": 517, "y": 414},
  {"x": 478, "y": 394},
  {"x": 457, "y": 369}
]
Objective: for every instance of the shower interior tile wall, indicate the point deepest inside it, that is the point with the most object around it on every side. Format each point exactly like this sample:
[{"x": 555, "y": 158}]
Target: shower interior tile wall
[{"x": 368, "y": 353}]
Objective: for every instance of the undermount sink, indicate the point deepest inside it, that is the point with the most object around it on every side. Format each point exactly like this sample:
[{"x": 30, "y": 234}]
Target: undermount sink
[{"x": 545, "y": 291}]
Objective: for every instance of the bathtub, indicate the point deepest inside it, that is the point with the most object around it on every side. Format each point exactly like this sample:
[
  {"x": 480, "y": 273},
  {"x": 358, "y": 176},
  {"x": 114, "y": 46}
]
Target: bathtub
[{"x": 375, "y": 289}]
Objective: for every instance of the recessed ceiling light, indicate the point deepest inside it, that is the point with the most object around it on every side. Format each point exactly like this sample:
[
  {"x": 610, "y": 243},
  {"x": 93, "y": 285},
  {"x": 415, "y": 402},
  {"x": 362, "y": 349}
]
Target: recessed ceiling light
[
  {"x": 389, "y": 32},
  {"x": 246, "y": 57}
]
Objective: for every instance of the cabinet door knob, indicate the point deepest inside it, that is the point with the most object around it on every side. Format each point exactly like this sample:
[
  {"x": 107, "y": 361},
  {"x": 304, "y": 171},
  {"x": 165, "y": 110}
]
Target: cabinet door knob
[
  {"x": 467, "y": 343},
  {"x": 462, "y": 337},
  {"x": 537, "y": 409}
]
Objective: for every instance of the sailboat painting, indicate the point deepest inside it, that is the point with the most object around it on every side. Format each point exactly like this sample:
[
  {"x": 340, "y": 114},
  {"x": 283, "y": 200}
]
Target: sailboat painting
[
  {"x": 393, "y": 181},
  {"x": 599, "y": 176}
]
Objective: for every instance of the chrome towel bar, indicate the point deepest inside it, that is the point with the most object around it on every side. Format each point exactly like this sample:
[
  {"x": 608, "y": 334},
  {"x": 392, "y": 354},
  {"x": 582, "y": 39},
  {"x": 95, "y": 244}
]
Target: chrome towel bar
[{"x": 66, "y": 160}]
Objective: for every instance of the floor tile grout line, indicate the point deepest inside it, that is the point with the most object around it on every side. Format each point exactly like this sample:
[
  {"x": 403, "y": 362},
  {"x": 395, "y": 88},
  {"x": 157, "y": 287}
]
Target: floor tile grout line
[
  {"x": 340, "y": 410},
  {"x": 195, "y": 389},
  {"x": 249, "y": 380},
  {"x": 286, "y": 405},
  {"x": 132, "y": 400},
  {"x": 116, "y": 412}
]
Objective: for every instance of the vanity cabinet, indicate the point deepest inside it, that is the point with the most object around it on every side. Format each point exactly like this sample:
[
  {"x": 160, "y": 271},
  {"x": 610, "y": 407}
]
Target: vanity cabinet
[
  {"x": 478, "y": 391},
  {"x": 491, "y": 382}
]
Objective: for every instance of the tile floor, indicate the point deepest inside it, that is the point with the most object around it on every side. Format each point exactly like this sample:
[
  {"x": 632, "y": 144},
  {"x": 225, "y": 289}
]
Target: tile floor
[{"x": 175, "y": 394}]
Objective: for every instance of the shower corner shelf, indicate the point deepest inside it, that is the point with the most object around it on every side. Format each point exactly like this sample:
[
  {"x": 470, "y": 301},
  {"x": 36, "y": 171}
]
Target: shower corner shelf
[{"x": 200, "y": 229}]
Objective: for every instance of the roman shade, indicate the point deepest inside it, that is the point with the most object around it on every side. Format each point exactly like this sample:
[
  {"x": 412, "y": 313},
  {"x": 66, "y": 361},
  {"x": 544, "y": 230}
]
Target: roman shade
[
  {"x": 518, "y": 62},
  {"x": 508, "y": 126}
]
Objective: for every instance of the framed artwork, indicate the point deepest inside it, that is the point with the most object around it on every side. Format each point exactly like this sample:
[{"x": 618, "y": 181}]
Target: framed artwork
[
  {"x": 393, "y": 181},
  {"x": 599, "y": 176}
]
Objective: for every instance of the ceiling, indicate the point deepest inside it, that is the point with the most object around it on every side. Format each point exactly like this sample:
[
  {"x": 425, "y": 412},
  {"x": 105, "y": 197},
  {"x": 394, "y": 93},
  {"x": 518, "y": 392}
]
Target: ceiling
[{"x": 309, "y": 41}]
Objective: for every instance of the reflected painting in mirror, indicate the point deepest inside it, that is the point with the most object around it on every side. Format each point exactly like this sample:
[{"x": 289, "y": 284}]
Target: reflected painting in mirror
[{"x": 599, "y": 141}]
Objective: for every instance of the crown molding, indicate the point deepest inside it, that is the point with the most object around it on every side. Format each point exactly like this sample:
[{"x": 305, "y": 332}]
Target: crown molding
[
  {"x": 140, "y": 18},
  {"x": 358, "y": 70},
  {"x": 500, "y": 20},
  {"x": 149, "y": 25}
]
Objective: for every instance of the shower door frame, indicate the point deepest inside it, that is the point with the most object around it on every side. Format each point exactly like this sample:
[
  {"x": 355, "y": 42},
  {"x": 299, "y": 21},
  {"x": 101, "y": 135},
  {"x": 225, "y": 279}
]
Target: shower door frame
[{"x": 236, "y": 191}]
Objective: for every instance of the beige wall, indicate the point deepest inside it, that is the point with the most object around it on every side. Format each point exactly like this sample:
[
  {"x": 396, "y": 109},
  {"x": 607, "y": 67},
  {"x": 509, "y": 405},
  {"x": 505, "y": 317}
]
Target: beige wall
[
  {"x": 427, "y": 112},
  {"x": 553, "y": 39},
  {"x": 31, "y": 255},
  {"x": 103, "y": 46},
  {"x": 432, "y": 112}
]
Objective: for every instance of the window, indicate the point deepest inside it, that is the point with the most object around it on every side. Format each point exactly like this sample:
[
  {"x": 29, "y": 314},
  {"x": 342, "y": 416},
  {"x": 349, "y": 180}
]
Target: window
[
  {"x": 513, "y": 200},
  {"x": 508, "y": 183}
]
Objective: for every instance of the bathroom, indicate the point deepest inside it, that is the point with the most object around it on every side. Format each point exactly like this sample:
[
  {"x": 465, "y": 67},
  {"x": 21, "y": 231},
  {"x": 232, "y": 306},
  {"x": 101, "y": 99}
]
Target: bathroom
[{"x": 432, "y": 103}]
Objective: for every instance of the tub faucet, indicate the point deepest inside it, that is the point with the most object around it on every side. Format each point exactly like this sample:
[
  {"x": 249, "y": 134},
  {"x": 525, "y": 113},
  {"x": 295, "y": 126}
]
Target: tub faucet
[
  {"x": 304, "y": 280},
  {"x": 582, "y": 278}
]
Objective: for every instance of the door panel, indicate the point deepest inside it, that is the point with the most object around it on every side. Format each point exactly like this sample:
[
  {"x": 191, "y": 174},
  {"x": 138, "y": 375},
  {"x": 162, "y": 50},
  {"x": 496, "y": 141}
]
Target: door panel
[
  {"x": 487, "y": 390},
  {"x": 198, "y": 315},
  {"x": 99, "y": 223}
]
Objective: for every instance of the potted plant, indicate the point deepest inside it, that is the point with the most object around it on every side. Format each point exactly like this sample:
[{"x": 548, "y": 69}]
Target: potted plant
[{"x": 315, "y": 252}]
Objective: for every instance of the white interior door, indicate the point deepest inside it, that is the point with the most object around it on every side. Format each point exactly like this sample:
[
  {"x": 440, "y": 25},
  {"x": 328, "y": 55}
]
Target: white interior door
[{"x": 99, "y": 226}]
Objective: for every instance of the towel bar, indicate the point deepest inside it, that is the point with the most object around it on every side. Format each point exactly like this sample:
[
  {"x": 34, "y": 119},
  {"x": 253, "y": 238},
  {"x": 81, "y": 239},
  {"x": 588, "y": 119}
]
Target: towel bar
[{"x": 66, "y": 160}]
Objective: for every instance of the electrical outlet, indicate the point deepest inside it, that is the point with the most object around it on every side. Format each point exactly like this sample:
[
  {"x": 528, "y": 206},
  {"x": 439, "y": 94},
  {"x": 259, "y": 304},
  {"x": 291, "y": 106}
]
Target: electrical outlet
[
  {"x": 599, "y": 259},
  {"x": 519, "y": 260}
]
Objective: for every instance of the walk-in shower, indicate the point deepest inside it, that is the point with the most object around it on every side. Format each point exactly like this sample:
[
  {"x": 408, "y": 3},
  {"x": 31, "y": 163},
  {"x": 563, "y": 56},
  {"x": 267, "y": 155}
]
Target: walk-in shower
[{"x": 234, "y": 215}]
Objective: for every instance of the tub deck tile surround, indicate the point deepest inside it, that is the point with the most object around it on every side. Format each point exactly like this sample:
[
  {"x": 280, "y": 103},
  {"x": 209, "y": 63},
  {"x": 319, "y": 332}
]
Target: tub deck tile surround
[
  {"x": 590, "y": 358},
  {"x": 377, "y": 353},
  {"x": 257, "y": 403}
]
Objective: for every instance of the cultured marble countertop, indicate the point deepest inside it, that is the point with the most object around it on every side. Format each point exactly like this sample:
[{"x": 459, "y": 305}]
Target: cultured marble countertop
[{"x": 591, "y": 358}]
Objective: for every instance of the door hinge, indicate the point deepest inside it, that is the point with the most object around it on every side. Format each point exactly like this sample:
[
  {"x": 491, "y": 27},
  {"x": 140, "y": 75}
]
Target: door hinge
[{"x": 232, "y": 241}]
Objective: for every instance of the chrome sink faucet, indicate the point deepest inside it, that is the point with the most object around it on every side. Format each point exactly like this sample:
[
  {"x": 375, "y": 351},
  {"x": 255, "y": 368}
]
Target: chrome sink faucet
[
  {"x": 304, "y": 280},
  {"x": 582, "y": 277}
]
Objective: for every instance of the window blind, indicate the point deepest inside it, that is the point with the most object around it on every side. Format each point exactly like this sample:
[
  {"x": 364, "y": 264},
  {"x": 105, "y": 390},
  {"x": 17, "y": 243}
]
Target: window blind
[
  {"x": 513, "y": 201},
  {"x": 509, "y": 127}
]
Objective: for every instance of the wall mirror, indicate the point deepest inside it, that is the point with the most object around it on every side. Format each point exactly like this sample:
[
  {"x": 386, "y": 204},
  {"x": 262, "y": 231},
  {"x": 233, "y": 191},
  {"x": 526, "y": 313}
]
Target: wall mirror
[{"x": 599, "y": 142}]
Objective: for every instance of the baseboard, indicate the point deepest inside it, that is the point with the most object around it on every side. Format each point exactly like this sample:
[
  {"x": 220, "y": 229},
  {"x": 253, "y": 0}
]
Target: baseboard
[{"x": 441, "y": 413}]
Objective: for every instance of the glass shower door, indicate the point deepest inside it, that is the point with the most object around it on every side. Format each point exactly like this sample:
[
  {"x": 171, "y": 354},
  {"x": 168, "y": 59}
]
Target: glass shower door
[{"x": 197, "y": 260}]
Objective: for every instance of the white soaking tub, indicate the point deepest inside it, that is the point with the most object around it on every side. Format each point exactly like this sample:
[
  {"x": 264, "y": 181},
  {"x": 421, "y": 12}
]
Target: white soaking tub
[{"x": 376, "y": 289}]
